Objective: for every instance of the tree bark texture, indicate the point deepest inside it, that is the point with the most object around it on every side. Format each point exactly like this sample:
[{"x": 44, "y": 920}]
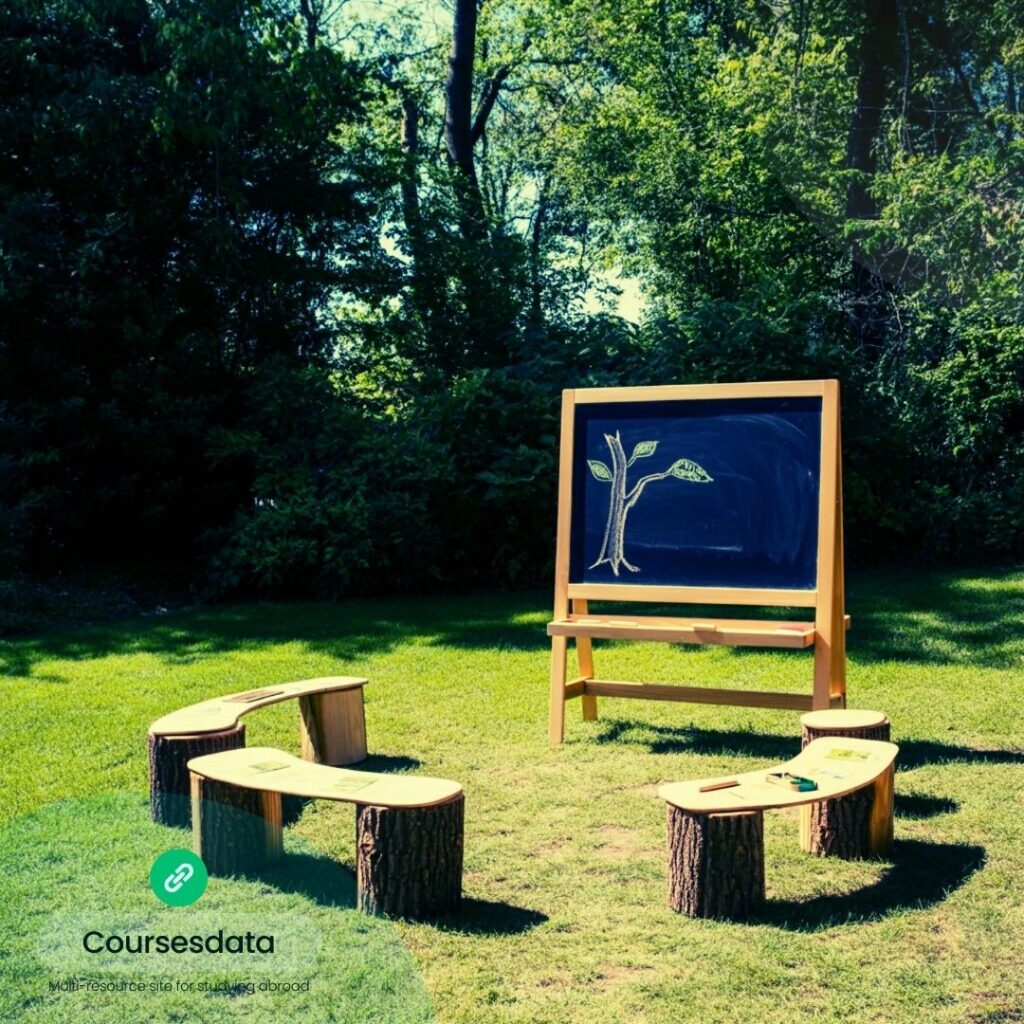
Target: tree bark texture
[
  {"x": 715, "y": 863},
  {"x": 409, "y": 860},
  {"x": 169, "y": 799},
  {"x": 235, "y": 830},
  {"x": 840, "y": 828},
  {"x": 854, "y": 827},
  {"x": 458, "y": 127},
  {"x": 882, "y": 731},
  {"x": 458, "y": 120},
  {"x": 411, "y": 204},
  {"x": 875, "y": 57}
]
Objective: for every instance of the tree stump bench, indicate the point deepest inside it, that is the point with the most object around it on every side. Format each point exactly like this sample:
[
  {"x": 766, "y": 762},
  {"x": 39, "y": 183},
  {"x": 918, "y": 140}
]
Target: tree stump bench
[
  {"x": 859, "y": 825},
  {"x": 332, "y": 731},
  {"x": 716, "y": 826},
  {"x": 409, "y": 829}
]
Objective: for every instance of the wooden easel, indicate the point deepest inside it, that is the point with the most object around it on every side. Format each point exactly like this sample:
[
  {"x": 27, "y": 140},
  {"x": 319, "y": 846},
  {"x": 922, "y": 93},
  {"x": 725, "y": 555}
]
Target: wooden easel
[{"x": 826, "y": 633}]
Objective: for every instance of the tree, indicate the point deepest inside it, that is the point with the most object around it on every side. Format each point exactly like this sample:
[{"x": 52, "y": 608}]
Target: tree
[
  {"x": 181, "y": 198},
  {"x": 620, "y": 501}
]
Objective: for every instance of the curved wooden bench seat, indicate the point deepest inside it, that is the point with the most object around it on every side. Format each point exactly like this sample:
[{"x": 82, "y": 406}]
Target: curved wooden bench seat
[
  {"x": 222, "y": 713},
  {"x": 409, "y": 829},
  {"x": 839, "y": 766},
  {"x": 332, "y": 730},
  {"x": 716, "y": 830},
  {"x": 273, "y": 771}
]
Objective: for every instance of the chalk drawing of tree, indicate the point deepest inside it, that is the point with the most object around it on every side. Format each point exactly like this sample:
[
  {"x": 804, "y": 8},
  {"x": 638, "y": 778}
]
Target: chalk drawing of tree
[{"x": 621, "y": 501}]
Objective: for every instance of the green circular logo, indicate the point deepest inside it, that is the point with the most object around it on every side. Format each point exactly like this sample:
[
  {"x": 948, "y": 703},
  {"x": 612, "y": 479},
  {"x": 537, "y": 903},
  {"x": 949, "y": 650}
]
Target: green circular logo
[{"x": 178, "y": 877}]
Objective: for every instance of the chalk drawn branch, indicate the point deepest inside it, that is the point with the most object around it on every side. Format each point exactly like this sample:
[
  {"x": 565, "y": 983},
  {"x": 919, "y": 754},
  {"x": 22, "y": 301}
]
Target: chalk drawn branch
[{"x": 621, "y": 500}]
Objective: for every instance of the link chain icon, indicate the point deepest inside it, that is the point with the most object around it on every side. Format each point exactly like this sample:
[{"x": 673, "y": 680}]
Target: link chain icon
[
  {"x": 178, "y": 878},
  {"x": 172, "y": 883}
]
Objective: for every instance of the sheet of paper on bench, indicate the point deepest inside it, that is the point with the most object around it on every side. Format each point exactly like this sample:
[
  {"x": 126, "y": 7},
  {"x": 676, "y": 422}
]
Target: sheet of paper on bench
[
  {"x": 269, "y": 769},
  {"x": 223, "y": 712},
  {"x": 835, "y": 777}
]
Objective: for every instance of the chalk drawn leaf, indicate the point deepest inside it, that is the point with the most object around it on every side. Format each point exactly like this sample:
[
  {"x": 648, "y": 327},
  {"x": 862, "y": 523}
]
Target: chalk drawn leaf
[
  {"x": 643, "y": 449},
  {"x": 685, "y": 469},
  {"x": 600, "y": 470}
]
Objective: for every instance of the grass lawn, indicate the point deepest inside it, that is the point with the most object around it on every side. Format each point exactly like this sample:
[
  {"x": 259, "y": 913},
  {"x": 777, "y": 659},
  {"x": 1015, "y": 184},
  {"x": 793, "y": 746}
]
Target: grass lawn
[{"x": 566, "y": 917}]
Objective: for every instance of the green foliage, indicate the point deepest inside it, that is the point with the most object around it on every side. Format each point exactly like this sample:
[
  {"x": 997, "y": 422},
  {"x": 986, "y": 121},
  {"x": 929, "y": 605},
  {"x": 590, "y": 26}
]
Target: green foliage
[
  {"x": 717, "y": 142},
  {"x": 342, "y": 494},
  {"x": 250, "y": 325},
  {"x": 176, "y": 208}
]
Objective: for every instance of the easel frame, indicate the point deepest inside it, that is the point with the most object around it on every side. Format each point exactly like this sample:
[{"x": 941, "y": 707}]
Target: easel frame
[{"x": 827, "y": 633}]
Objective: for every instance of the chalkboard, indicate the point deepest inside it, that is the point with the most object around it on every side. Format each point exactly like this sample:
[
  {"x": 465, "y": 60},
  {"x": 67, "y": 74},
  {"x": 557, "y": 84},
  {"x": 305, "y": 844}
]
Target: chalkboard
[{"x": 699, "y": 493}]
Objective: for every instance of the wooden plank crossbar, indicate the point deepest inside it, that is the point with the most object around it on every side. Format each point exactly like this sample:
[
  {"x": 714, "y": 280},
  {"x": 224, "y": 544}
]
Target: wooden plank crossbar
[
  {"x": 732, "y": 632},
  {"x": 696, "y": 694}
]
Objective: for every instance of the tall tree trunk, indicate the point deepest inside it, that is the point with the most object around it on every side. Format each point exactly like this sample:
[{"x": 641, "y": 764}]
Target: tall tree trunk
[
  {"x": 458, "y": 120},
  {"x": 411, "y": 205},
  {"x": 311, "y": 19},
  {"x": 490, "y": 313},
  {"x": 875, "y": 55},
  {"x": 536, "y": 251}
]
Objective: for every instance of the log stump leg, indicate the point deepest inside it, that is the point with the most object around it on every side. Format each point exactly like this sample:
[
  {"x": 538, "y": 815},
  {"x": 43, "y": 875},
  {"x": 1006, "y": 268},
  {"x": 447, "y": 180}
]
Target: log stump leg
[
  {"x": 332, "y": 727},
  {"x": 840, "y": 827},
  {"x": 858, "y": 826},
  {"x": 409, "y": 860},
  {"x": 715, "y": 863},
  {"x": 234, "y": 829},
  {"x": 169, "y": 800}
]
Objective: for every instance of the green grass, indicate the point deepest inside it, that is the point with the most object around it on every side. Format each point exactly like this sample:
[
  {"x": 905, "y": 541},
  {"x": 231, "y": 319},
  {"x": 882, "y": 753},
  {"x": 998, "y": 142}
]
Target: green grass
[{"x": 566, "y": 917}]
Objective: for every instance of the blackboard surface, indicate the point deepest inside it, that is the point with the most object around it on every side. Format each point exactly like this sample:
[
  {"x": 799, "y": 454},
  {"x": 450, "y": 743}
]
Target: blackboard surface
[{"x": 716, "y": 493}]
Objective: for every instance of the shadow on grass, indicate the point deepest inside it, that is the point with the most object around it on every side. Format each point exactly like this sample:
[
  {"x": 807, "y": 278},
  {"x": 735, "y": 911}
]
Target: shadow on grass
[
  {"x": 928, "y": 618},
  {"x": 921, "y": 875},
  {"x": 386, "y": 763},
  {"x": 917, "y": 807},
  {"x": 939, "y": 619},
  {"x": 487, "y": 917},
  {"x": 661, "y": 739},
  {"x": 347, "y": 631},
  {"x": 331, "y": 884},
  {"x": 321, "y": 879}
]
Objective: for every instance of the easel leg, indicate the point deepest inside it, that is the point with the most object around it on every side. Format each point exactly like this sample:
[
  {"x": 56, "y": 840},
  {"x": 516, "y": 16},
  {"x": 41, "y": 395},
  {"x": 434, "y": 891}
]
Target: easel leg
[
  {"x": 585, "y": 660},
  {"x": 830, "y": 611},
  {"x": 556, "y": 701},
  {"x": 585, "y": 656},
  {"x": 822, "y": 674}
]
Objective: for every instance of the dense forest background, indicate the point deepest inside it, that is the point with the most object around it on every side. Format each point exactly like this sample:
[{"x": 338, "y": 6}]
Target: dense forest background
[{"x": 289, "y": 290}]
